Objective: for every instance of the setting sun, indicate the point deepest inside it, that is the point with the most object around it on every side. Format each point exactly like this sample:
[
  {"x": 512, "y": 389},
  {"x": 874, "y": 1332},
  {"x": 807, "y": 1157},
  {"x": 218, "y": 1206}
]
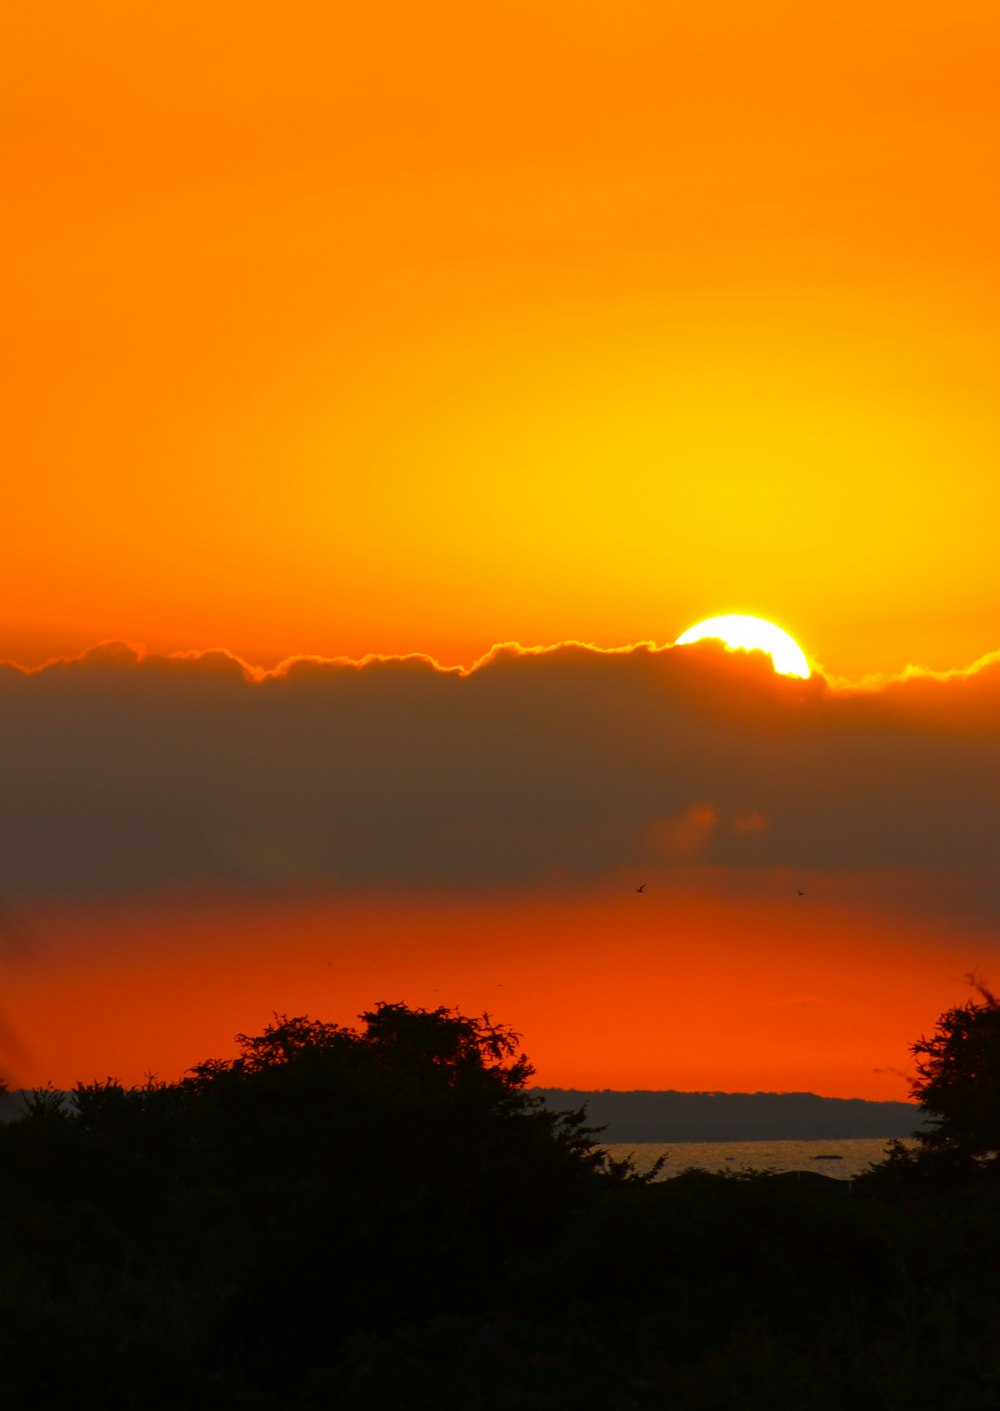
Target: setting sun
[{"x": 753, "y": 633}]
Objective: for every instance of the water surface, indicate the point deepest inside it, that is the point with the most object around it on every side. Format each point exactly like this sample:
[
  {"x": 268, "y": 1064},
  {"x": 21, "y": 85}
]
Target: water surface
[{"x": 852, "y": 1155}]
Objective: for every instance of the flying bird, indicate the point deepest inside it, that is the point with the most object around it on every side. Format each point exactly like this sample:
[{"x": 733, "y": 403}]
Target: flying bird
[
  {"x": 798, "y": 893},
  {"x": 642, "y": 888}
]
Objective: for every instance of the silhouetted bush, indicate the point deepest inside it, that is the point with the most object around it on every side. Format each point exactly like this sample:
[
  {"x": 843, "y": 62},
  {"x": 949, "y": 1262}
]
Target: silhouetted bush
[
  {"x": 385, "y": 1217},
  {"x": 324, "y": 1181},
  {"x": 958, "y": 1082},
  {"x": 958, "y": 1090}
]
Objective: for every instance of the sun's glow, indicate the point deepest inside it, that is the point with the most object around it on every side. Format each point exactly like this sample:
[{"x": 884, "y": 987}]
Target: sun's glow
[{"x": 752, "y": 632}]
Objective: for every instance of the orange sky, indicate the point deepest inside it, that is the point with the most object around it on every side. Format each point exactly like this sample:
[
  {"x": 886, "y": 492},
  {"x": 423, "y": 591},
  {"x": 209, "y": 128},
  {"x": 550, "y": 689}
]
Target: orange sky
[
  {"x": 676, "y": 989},
  {"x": 419, "y": 326},
  {"x": 338, "y": 328}
]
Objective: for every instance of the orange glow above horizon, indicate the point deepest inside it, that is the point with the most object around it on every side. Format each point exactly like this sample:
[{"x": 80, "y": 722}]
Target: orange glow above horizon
[{"x": 676, "y": 988}]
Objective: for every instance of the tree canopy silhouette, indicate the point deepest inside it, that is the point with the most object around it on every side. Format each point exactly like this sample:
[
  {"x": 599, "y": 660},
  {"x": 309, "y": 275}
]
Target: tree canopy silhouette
[
  {"x": 958, "y": 1083},
  {"x": 439, "y": 1090},
  {"x": 958, "y": 1089}
]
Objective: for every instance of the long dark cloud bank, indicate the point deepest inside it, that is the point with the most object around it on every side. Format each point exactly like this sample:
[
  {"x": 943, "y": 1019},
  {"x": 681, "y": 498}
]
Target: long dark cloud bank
[{"x": 121, "y": 771}]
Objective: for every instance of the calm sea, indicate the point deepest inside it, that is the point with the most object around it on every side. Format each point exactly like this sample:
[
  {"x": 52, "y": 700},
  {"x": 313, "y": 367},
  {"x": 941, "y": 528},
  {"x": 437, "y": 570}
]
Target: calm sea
[{"x": 849, "y": 1156}]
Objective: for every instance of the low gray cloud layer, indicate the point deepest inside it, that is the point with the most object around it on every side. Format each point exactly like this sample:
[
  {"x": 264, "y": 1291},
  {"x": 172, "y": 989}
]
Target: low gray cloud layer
[{"x": 121, "y": 772}]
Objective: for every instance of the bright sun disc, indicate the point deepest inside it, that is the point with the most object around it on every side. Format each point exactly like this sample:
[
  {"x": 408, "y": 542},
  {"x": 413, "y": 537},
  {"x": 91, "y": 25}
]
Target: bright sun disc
[{"x": 752, "y": 633}]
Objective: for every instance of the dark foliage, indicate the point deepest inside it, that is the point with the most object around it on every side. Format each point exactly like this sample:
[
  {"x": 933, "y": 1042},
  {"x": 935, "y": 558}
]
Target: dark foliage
[
  {"x": 384, "y": 1217},
  {"x": 958, "y": 1090},
  {"x": 324, "y": 1182},
  {"x": 958, "y": 1080}
]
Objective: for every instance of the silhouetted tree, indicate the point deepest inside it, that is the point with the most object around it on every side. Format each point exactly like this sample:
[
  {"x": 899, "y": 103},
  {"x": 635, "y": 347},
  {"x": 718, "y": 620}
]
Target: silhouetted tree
[
  {"x": 433, "y": 1083},
  {"x": 46, "y": 1105},
  {"x": 408, "y": 1149},
  {"x": 958, "y": 1083}
]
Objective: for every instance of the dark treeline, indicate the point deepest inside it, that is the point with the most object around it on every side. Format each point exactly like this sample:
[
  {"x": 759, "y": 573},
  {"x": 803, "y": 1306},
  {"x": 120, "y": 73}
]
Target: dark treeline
[
  {"x": 639, "y": 1116},
  {"x": 643, "y": 1116},
  {"x": 386, "y": 1216}
]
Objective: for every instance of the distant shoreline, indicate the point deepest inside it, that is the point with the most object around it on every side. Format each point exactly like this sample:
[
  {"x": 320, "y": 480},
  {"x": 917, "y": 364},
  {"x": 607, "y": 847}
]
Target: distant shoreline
[
  {"x": 677, "y": 1117},
  {"x": 680, "y": 1118}
]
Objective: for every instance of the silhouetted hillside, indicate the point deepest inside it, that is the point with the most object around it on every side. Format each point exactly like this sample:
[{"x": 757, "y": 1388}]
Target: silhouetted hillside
[
  {"x": 709, "y": 1117},
  {"x": 641, "y": 1116}
]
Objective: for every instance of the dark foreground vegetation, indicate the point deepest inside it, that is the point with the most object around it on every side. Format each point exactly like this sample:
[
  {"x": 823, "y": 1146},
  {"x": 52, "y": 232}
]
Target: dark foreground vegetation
[{"x": 385, "y": 1217}]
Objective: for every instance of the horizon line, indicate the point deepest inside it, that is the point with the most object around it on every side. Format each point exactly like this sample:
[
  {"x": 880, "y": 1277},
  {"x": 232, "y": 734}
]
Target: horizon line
[{"x": 138, "y": 652}]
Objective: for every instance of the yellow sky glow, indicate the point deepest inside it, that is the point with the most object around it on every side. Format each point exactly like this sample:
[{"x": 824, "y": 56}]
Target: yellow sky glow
[{"x": 422, "y": 326}]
